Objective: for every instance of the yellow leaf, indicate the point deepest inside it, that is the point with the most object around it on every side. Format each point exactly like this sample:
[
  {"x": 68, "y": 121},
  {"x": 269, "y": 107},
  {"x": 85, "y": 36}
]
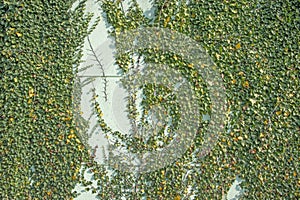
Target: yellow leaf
[
  {"x": 160, "y": 98},
  {"x": 78, "y": 141},
  {"x": 260, "y": 178},
  {"x": 67, "y": 119},
  {"x": 238, "y": 45},
  {"x": 71, "y": 136},
  {"x": 31, "y": 92},
  {"x": 118, "y": 31},
  {"x": 177, "y": 197},
  {"x": 286, "y": 114},
  {"x": 77, "y": 170},
  {"x": 241, "y": 73},
  {"x": 15, "y": 80},
  {"x": 60, "y": 137},
  {"x": 19, "y": 34},
  {"x": 67, "y": 80},
  {"x": 228, "y": 143},
  {"x": 168, "y": 19},
  {"x": 261, "y": 135},
  {"x": 190, "y": 65},
  {"x": 80, "y": 147},
  {"x": 203, "y": 65},
  {"x": 246, "y": 84}
]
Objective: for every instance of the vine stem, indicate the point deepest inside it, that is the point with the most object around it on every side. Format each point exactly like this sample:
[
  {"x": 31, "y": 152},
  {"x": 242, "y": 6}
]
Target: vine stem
[
  {"x": 162, "y": 8},
  {"x": 101, "y": 67}
]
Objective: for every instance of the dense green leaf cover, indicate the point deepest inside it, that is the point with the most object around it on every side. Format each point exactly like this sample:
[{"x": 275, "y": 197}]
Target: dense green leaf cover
[
  {"x": 40, "y": 153},
  {"x": 255, "y": 45}
]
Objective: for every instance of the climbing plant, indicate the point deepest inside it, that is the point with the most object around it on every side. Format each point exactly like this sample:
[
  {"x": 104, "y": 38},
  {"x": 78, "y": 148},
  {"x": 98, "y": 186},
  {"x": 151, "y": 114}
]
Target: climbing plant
[
  {"x": 255, "y": 45},
  {"x": 40, "y": 148}
]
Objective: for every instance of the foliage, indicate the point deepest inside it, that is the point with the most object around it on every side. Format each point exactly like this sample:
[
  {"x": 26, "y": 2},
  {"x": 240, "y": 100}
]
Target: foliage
[
  {"x": 255, "y": 44},
  {"x": 40, "y": 150}
]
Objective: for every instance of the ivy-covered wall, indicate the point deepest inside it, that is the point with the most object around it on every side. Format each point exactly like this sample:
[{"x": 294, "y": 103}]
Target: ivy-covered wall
[
  {"x": 255, "y": 45},
  {"x": 41, "y": 43}
]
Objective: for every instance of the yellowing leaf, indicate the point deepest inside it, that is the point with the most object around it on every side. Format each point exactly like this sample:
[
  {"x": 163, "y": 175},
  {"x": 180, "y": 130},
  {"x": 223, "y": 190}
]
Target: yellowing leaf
[
  {"x": 19, "y": 34},
  {"x": 286, "y": 114},
  {"x": 67, "y": 119},
  {"x": 80, "y": 147},
  {"x": 241, "y": 73},
  {"x": 160, "y": 98},
  {"x": 261, "y": 135},
  {"x": 78, "y": 141},
  {"x": 238, "y": 46},
  {"x": 168, "y": 19},
  {"x": 190, "y": 65},
  {"x": 31, "y": 92},
  {"x": 246, "y": 84},
  {"x": 177, "y": 197},
  {"x": 71, "y": 136}
]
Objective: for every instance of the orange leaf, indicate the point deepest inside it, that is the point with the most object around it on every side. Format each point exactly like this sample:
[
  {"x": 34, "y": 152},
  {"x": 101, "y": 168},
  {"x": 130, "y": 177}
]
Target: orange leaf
[{"x": 177, "y": 197}]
